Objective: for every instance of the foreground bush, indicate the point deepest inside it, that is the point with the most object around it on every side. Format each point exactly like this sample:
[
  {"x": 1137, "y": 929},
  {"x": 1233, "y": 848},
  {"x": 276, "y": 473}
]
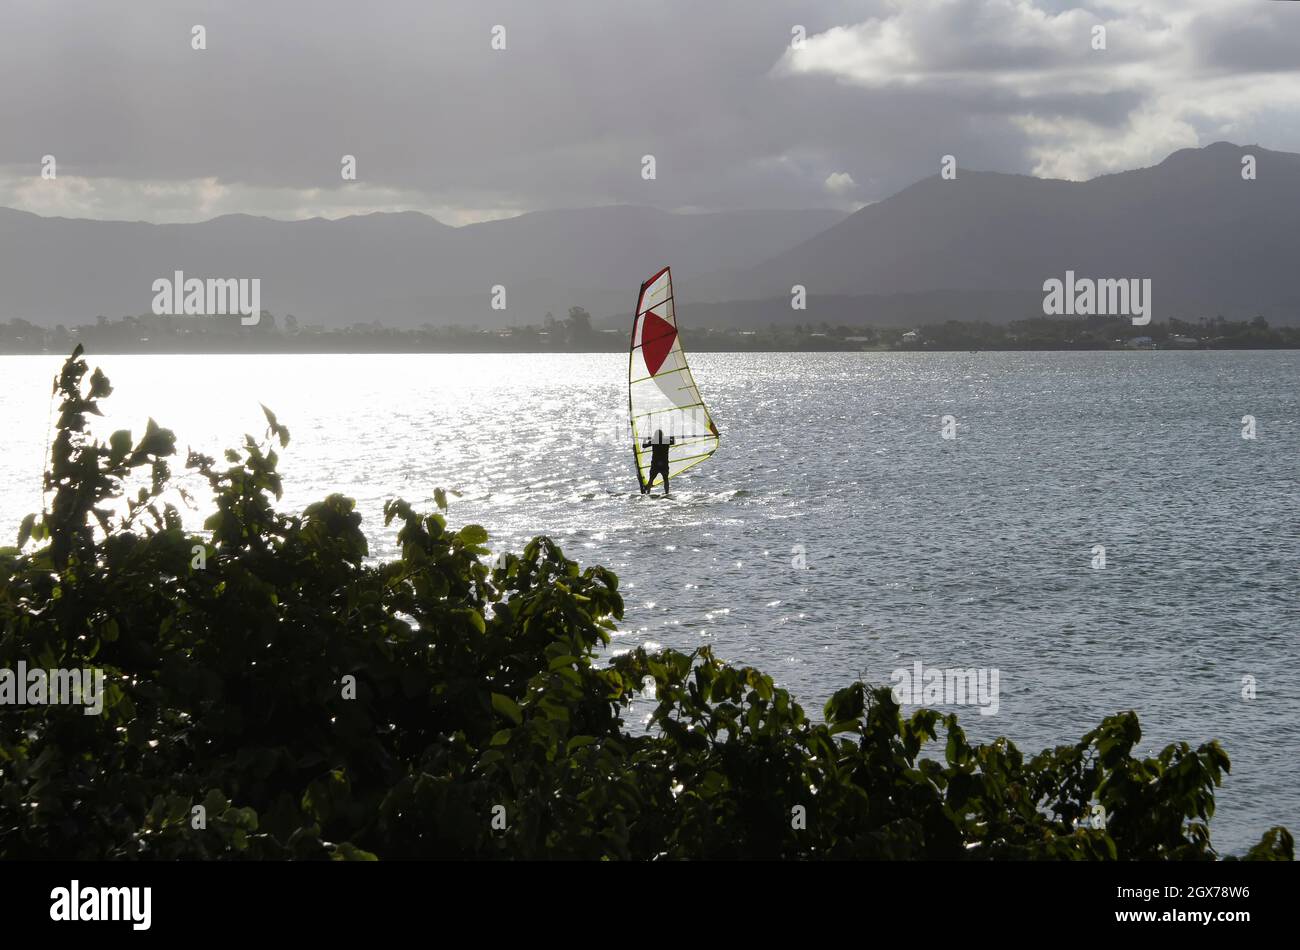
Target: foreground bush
[{"x": 272, "y": 695}]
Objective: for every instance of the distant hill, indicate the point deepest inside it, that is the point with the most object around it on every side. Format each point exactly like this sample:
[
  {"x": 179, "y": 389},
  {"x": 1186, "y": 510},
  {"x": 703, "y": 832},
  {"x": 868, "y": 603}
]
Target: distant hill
[
  {"x": 975, "y": 248},
  {"x": 878, "y": 310},
  {"x": 400, "y": 269},
  {"x": 1210, "y": 241}
]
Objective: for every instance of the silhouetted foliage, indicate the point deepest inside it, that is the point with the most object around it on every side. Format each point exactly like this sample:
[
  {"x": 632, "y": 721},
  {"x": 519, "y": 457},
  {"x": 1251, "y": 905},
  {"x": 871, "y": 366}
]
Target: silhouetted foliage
[{"x": 483, "y": 723}]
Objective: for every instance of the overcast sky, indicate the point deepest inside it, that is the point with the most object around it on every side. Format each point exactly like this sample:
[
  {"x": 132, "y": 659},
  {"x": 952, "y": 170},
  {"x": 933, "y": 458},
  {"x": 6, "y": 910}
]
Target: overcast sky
[{"x": 142, "y": 126}]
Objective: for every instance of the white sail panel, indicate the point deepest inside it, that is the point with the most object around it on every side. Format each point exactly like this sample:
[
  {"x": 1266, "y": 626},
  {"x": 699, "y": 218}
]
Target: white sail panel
[{"x": 662, "y": 395}]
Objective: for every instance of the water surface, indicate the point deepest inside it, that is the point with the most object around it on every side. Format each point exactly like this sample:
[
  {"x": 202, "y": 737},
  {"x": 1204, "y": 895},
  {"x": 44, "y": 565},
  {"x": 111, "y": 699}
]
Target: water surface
[{"x": 974, "y": 552}]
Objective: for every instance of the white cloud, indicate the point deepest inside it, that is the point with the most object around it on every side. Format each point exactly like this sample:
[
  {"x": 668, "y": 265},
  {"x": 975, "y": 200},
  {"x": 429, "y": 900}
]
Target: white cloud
[
  {"x": 199, "y": 199},
  {"x": 1155, "y": 87},
  {"x": 1075, "y": 149},
  {"x": 840, "y": 183},
  {"x": 1007, "y": 43}
]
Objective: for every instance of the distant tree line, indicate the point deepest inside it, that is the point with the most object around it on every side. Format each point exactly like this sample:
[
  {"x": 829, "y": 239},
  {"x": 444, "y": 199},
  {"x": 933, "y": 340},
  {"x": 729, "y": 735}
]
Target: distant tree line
[
  {"x": 576, "y": 333},
  {"x": 1102, "y": 333}
]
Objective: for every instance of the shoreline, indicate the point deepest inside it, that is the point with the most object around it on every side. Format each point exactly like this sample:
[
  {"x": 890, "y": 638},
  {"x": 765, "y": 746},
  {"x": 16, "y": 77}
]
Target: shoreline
[{"x": 381, "y": 351}]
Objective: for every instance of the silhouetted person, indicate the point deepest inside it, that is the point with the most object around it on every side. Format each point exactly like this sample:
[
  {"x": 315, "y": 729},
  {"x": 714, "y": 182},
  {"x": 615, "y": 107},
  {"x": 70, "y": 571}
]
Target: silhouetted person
[{"x": 658, "y": 447}]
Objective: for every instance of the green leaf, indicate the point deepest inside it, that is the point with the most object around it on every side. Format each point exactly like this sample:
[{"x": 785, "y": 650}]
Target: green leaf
[
  {"x": 25, "y": 529},
  {"x": 346, "y": 851},
  {"x": 473, "y": 534},
  {"x": 508, "y": 708},
  {"x": 120, "y": 442},
  {"x": 275, "y": 428},
  {"x": 577, "y": 742}
]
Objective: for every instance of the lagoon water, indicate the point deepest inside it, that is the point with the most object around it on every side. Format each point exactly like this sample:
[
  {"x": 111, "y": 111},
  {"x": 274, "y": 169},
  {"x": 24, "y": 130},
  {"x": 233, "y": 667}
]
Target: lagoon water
[{"x": 836, "y": 535}]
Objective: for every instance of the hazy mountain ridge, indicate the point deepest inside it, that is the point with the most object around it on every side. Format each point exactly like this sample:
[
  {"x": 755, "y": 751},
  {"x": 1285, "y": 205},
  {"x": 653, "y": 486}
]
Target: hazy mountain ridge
[
  {"x": 1210, "y": 241},
  {"x": 977, "y": 247},
  {"x": 401, "y": 269}
]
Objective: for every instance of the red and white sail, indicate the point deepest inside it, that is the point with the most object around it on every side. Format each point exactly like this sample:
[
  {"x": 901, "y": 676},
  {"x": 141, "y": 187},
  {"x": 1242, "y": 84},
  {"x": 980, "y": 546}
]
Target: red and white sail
[{"x": 662, "y": 395}]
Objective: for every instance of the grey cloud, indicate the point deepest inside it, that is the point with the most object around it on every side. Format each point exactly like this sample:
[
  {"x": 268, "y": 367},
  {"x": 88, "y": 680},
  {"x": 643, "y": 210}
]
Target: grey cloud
[
  {"x": 1246, "y": 39},
  {"x": 560, "y": 119}
]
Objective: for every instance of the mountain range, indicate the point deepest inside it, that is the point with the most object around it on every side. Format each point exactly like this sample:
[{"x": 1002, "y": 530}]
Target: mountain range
[
  {"x": 978, "y": 246},
  {"x": 1210, "y": 240}
]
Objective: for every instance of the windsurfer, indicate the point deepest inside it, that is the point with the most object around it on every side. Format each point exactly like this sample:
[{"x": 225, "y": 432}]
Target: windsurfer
[{"x": 658, "y": 447}]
